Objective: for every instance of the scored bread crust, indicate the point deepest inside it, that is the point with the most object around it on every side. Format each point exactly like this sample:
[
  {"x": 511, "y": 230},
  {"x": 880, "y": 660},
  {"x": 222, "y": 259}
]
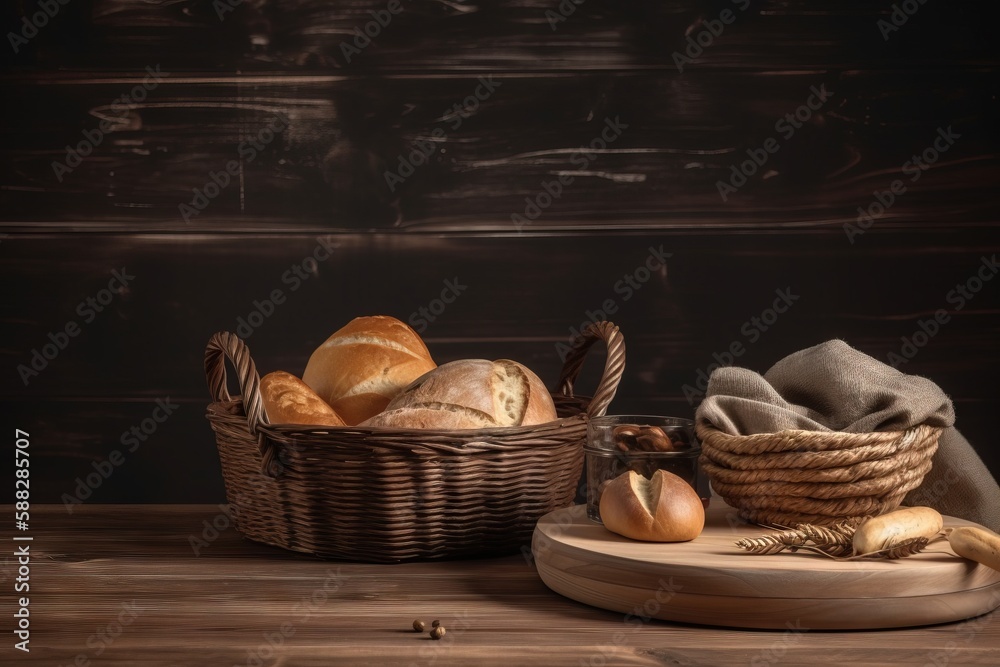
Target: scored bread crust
[
  {"x": 433, "y": 416},
  {"x": 662, "y": 509},
  {"x": 366, "y": 363},
  {"x": 289, "y": 400},
  {"x": 385, "y": 326},
  {"x": 540, "y": 409},
  {"x": 464, "y": 391}
]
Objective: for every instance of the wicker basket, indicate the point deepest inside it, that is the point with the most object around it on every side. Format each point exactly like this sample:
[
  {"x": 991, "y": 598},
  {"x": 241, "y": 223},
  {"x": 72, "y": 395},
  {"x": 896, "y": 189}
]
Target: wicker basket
[
  {"x": 793, "y": 476},
  {"x": 387, "y": 495}
]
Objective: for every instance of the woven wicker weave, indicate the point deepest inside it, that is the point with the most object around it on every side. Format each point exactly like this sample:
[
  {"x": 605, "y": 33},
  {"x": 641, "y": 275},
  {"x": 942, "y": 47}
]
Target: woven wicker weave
[
  {"x": 387, "y": 495},
  {"x": 815, "y": 477}
]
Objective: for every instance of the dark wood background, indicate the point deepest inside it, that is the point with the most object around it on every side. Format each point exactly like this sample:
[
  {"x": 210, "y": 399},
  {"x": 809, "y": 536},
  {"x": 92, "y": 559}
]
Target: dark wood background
[{"x": 347, "y": 122}]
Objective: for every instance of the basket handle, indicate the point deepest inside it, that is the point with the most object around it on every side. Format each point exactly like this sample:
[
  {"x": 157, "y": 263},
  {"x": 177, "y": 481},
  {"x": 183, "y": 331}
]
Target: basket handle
[
  {"x": 225, "y": 345},
  {"x": 613, "y": 367}
]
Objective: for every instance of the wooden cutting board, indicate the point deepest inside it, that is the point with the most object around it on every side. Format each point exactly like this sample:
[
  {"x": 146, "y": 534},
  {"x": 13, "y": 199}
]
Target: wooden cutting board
[{"x": 710, "y": 581}]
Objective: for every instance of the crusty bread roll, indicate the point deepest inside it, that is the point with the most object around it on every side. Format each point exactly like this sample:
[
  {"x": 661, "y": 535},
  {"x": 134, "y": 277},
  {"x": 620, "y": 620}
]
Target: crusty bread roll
[
  {"x": 470, "y": 393},
  {"x": 434, "y": 416},
  {"x": 361, "y": 367},
  {"x": 662, "y": 509},
  {"x": 540, "y": 408},
  {"x": 289, "y": 400}
]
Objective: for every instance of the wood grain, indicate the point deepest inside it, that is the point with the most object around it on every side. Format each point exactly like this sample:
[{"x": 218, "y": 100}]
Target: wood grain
[
  {"x": 343, "y": 142},
  {"x": 432, "y": 35},
  {"x": 220, "y": 607},
  {"x": 709, "y": 580}
]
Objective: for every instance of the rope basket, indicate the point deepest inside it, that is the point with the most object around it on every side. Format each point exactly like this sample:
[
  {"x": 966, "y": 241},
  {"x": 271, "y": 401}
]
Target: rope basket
[
  {"x": 817, "y": 477},
  {"x": 388, "y": 495}
]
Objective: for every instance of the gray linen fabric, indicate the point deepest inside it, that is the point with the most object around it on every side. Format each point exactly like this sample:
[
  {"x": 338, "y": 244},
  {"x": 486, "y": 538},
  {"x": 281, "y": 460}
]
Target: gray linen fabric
[{"x": 833, "y": 387}]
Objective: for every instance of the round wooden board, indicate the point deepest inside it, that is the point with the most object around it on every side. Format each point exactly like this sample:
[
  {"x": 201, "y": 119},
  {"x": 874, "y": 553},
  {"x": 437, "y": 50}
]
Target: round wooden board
[{"x": 710, "y": 581}]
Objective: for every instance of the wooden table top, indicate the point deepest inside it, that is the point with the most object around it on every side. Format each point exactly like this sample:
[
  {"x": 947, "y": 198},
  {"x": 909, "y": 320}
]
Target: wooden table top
[{"x": 122, "y": 585}]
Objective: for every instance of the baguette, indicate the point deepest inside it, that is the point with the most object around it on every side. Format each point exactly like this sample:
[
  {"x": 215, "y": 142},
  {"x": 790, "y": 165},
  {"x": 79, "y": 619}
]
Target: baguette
[
  {"x": 289, "y": 400},
  {"x": 978, "y": 544},
  {"x": 887, "y": 530},
  {"x": 662, "y": 509}
]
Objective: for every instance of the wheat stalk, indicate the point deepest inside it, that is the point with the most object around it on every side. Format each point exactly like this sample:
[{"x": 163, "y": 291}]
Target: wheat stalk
[
  {"x": 835, "y": 541},
  {"x": 832, "y": 540},
  {"x": 770, "y": 544},
  {"x": 900, "y": 550}
]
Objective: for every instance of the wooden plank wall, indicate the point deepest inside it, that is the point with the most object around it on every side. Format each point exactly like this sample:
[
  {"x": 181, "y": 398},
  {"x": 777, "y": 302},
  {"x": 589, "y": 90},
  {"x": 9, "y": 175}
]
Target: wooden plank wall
[{"x": 106, "y": 167}]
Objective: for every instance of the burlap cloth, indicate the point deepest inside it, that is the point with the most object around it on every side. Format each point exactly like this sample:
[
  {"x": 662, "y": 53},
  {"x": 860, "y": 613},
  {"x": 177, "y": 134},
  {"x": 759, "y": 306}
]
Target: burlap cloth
[{"x": 833, "y": 387}]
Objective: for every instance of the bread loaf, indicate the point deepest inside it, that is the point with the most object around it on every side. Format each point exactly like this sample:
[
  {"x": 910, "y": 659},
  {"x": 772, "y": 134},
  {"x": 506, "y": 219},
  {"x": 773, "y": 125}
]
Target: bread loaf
[
  {"x": 470, "y": 393},
  {"x": 289, "y": 400},
  {"x": 662, "y": 509},
  {"x": 889, "y": 530},
  {"x": 976, "y": 543},
  {"x": 432, "y": 416},
  {"x": 361, "y": 367}
]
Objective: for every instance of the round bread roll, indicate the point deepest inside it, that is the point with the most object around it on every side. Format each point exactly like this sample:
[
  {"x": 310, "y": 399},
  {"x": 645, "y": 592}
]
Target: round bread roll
[
  {"x": 470, "y": 393},
  {"x": 662, "y": 509},
  {"x": 361, "y": 367},
  {"x": 289, "y": 400}
]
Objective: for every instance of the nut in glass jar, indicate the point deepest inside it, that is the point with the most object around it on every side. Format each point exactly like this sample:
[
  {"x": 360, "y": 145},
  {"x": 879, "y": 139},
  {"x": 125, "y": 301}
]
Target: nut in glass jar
[{"x": 644, "y": 444}]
